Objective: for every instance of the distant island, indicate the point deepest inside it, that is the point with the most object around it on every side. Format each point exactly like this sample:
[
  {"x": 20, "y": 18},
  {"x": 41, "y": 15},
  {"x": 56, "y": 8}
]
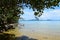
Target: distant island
[{"x": 40, "y": 20}]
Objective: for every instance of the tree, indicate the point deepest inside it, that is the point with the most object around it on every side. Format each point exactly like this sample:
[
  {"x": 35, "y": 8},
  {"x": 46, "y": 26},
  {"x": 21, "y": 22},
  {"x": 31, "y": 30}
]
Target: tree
[{"x": 10, "y": 10}]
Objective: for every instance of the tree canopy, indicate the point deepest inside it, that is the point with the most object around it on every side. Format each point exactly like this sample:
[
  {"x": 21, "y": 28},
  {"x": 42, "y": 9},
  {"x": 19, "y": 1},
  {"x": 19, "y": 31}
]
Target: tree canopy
[{"x": 10, "y": 10}]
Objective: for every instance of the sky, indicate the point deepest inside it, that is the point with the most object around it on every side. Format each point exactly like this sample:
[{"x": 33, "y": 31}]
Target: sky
[{"x": 53, "y": 14}]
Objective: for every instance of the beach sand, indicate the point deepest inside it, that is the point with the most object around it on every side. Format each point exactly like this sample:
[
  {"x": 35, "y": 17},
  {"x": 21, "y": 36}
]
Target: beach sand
[
  {"x": 38, "y": 36},
  {"x": 42, "y": 36},
  {"x": 14, "y": 31}
]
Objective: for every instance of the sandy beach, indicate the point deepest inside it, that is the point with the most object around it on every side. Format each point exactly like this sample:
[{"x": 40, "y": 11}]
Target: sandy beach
[
  {"x": 41, "y": 36},
  {"x": 35, "y": 35}
]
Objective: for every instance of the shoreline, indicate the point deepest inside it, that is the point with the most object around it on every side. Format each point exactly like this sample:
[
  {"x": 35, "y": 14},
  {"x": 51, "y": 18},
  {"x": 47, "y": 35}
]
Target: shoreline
[
  {"x": 42, "y": 36},
  {"x": 38, "y": 36}
]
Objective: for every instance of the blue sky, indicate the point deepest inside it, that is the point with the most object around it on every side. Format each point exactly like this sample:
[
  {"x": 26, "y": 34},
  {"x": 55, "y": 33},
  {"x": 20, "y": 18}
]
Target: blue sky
[{"x": 53, "y": 14}]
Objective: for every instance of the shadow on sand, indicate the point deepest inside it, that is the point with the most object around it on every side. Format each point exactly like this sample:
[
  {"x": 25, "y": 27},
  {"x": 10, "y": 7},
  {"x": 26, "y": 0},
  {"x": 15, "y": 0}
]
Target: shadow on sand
[
  {"x": 4, "y": 36},
  {"x": 24, "y": 38}
]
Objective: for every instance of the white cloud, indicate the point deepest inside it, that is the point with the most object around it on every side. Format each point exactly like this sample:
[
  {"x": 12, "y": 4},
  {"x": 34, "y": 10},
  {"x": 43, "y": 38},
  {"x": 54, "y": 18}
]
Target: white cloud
[{"x": 51, "y": 14}]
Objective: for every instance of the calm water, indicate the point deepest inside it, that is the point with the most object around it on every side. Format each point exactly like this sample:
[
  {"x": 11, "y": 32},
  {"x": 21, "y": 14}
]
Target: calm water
[{"x": 46, "y": 27}]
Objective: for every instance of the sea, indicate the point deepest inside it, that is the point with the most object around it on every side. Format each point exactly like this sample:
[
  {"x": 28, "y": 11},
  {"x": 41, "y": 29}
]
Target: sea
[{"x": 44, "y": 27}]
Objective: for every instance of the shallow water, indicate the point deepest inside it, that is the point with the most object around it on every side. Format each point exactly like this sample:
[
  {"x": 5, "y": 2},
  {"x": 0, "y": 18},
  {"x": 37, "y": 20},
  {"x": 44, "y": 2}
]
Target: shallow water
[{"x": 41, "y": 28}]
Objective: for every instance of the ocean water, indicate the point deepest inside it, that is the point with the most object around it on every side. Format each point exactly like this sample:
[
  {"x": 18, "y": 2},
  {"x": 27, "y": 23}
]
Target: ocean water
[{"x": 46, "y": 27}]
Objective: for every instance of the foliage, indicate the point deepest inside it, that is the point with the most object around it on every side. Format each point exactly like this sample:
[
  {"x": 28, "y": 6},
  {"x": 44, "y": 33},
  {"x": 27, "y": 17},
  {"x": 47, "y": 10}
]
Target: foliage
[
  {"x": 40, "y": 5},
  {"x": 5, "y": 36},
  {"x": 10, "y": 10}
]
